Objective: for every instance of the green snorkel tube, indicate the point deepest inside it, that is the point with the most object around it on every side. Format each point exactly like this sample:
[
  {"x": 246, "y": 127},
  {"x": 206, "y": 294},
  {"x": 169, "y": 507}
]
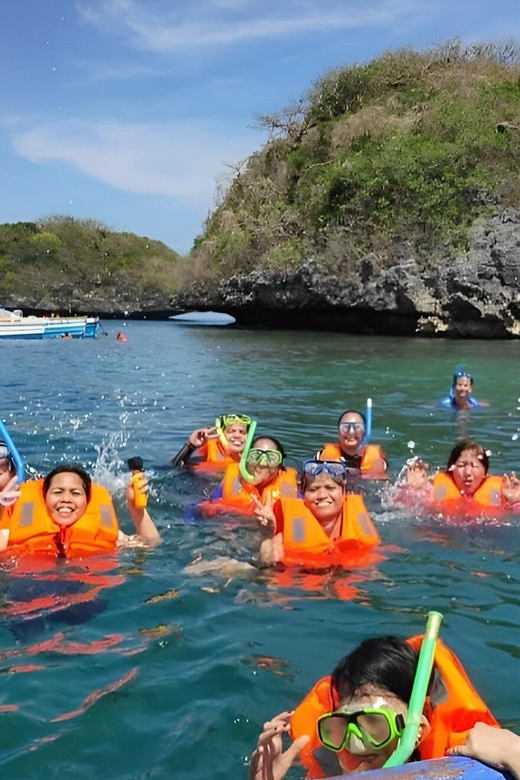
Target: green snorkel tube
[
  {"x": 247, "y": 446},
  {"x": 420, "y": 688}
]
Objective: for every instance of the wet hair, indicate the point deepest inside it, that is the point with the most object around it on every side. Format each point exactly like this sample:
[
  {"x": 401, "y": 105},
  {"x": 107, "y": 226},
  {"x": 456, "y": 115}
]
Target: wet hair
[
  {"x": 473, "y": 446},
  {"x": 352, "y": 411},
  {"x": 306, "y": 479},
  {"x": 81, "y": 473},
  {"x": 276, "y": 442},
  {"x": 386, "y": 662}
]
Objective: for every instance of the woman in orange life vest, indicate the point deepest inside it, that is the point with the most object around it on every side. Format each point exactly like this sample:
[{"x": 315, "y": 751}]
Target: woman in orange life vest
[
  {"x": 269, "y": 477},
  {"x": 322, "y": 529},
  {"x": 217, "y": 447},
  {"x": 352, "y": 721},
  {"x": 66, "y": 515},
  {"x": 465, "y": 488},
  {"x": 365, "y": 460}
]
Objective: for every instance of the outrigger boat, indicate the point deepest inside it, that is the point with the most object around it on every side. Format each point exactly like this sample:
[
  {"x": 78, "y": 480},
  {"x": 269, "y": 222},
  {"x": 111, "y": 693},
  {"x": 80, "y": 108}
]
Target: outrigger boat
[{"x": 13, "y": 325}]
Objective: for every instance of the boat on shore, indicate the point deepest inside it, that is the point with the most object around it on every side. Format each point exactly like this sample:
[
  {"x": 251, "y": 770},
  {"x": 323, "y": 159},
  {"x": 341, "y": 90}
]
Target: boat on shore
[{"x": 13, "y": 325}]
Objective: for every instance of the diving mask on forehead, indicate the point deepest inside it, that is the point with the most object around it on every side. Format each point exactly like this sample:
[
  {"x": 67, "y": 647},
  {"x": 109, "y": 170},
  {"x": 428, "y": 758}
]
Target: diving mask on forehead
[
  {"x": 225, "y": 420},
  {"x": 313, "y": 468},
  {"x": 364, "y": 730}
]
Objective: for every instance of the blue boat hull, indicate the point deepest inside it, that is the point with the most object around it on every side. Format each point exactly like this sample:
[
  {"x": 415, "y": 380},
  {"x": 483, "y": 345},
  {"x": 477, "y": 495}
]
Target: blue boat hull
[{"x": 452, "y": 768}]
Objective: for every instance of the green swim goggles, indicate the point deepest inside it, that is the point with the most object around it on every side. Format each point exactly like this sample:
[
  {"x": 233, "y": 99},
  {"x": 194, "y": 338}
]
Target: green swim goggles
[
  {"x": 271, "y": 458},
  {"x": 225, "y": 420},
  {"x": 370, "y": 728}
]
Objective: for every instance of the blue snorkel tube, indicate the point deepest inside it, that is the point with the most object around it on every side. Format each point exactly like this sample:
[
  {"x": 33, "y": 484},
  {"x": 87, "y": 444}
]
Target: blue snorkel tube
[
  {"x": 15, "y": 455},
  {"x": 368, "y": 429}
]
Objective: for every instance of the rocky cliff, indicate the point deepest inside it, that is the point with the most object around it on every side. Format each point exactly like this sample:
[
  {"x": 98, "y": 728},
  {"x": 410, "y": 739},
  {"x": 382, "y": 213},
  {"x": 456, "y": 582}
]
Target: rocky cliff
[{"x": 476, "y": 296}]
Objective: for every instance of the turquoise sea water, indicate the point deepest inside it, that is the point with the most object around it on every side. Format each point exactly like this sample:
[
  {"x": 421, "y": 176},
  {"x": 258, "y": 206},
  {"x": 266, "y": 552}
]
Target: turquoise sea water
[{"x": 128, "y": 667}]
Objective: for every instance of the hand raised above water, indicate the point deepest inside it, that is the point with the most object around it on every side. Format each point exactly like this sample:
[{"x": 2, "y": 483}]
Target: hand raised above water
[
  {"x": 269, "y": 761},
  {"x": 9, "y": 494},
  {"x": 511, "y": 488}
]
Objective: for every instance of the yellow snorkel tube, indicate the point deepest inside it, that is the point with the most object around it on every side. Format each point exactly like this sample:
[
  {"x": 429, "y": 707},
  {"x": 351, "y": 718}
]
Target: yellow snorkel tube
[
  {"x": 221, "y": 435},
  {"x": 247, "y": 446},
  {"x": 407, "y": 743}
]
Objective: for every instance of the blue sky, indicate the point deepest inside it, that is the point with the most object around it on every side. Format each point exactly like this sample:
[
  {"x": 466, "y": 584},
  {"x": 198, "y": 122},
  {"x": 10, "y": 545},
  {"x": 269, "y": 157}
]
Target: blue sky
[{"x": 126, "y": 111}]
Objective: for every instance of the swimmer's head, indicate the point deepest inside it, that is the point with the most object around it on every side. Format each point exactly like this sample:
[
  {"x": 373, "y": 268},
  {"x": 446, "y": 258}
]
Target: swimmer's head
[{"x": 7, "y": 468}]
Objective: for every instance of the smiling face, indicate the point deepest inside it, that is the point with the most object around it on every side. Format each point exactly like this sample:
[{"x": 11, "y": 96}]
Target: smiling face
[
  {"x": 351, "y": 432},
  {"x": 368, "y": 757},
  {"x": 261, "y": 472},
  {"x": 462, "y": 389},
  {"x": 66, "y": 499},
  {"x": 324, "y": 497},
  {"x": 236, "y": 435},
  {"x": 468, "y": 472}
]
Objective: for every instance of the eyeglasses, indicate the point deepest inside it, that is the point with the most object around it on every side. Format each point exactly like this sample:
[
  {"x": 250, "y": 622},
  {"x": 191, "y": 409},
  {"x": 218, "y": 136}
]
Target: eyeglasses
[
  {"x": 368, "y": 728},
  {"x": 271, "y": 458},
  {"x": 231, "y": 419},
  {"x": 347, "y": 427},
  {"x": 313, "y": 468}
]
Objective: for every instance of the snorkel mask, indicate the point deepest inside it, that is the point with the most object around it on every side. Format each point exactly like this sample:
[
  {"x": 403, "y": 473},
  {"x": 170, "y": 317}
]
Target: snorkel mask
[
  {"x": 460, "y": 372},
  {"x": 225, "y": 420}
]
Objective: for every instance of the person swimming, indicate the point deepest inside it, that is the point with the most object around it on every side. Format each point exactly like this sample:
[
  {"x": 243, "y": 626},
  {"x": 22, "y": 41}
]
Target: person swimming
[
  {"x": 353, "y": 720},
  {"x": 321, "y": 529},
  {"x": 267, "y": 475},
  {"x": 361, "y": 458},
  {"x": 460, "y": 396},
  {"x": 215, "y": 447},
  {"x": 67, "y": 515}
]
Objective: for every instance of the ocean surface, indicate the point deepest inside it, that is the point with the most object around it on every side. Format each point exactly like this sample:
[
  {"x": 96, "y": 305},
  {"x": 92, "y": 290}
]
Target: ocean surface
[{"x": 132, "y": 666}]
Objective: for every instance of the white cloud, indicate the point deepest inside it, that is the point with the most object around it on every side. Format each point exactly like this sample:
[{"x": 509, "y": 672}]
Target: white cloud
[
  {"x": 155, "y": 27},
  {"x": 179, "y": 159}
]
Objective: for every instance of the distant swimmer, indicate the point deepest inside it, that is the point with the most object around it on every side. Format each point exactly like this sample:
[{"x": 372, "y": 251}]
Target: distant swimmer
[
  {"x": 215, "y": 448},
  {"x": 460, "y": 392},
  {"x": 122, "y": 337},
  {"x": 322, "y": 529},
  {"x": 67, "y": 515},
  {"x": 360, "y": 457},
  {"x": 266, "y": 475}
]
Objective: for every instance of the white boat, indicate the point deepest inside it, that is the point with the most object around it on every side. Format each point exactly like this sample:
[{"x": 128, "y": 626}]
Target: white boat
[
  {"x": 13, "y": 325},
  {"x": 210, "y": 318}
]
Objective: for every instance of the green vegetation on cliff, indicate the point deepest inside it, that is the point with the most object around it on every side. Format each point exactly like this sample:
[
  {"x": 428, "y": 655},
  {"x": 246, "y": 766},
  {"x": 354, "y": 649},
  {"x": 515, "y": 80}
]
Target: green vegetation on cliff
[
  {"x": 61, "y": 251},
  {"x": 411, "y": 146}
]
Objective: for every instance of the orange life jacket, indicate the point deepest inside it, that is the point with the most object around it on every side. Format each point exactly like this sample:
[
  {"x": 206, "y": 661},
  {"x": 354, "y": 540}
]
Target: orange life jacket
[
  {"x": 450, "y": 720},
  {"x": 32, "y": 530},
  {"x": 237, "y": 493},
  {"x": 306, "y": 543},
  {"x": 373, "y": 459},
  {"x": 214, "y": 457},
  {"x": 448, "y": 499}
]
